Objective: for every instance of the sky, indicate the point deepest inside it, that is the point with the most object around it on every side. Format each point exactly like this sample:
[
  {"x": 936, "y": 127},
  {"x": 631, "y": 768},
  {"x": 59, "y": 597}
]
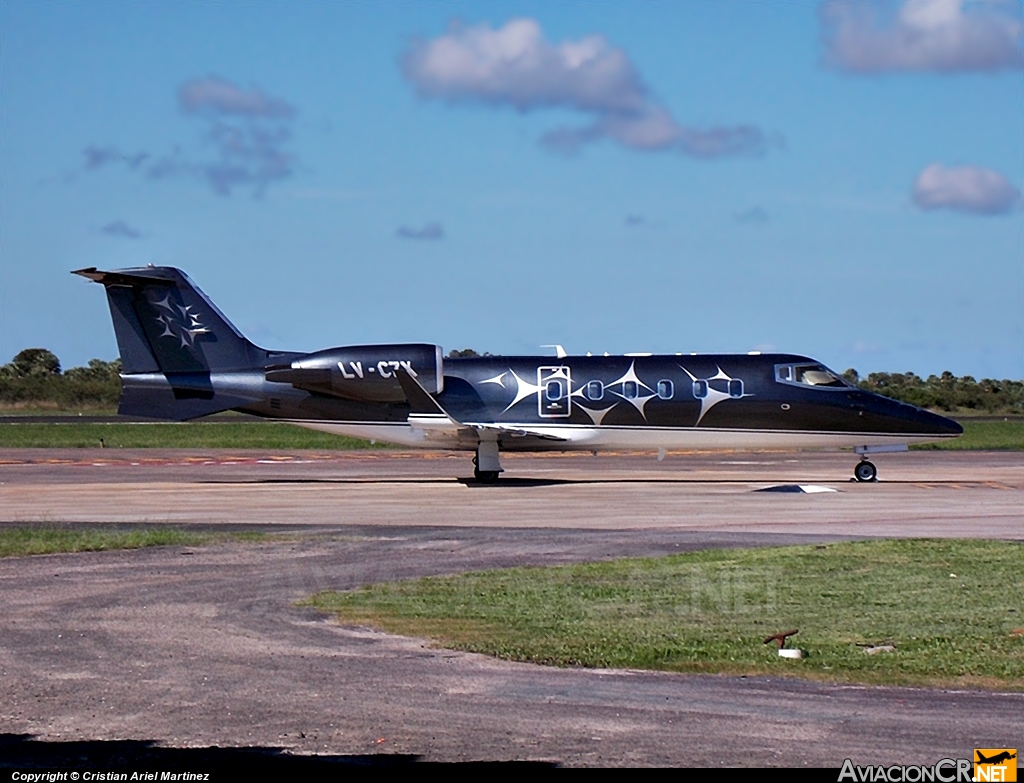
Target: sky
[{"x": 840, "y": 179}]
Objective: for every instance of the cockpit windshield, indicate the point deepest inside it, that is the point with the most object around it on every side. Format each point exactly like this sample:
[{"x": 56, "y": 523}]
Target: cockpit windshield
[{"x": 809, "y": 375}]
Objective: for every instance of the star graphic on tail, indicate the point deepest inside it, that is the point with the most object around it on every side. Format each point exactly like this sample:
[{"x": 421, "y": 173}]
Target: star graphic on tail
[{"x": 179, "y": 322}]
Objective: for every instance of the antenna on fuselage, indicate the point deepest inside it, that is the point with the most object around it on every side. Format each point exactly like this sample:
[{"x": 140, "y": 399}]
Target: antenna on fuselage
[{"x": 559, "y": 350}]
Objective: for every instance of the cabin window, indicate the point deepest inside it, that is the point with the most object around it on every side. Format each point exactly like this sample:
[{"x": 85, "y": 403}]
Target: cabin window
[
  {"x": 554, "y": 391},
  {"x": 595, "y": 390},
  {"x": 665, "y": 389},
  {"x": 735, "y": 387},
  {"x": 630, "y": 390},
  {"x": 700, "y": 389}
]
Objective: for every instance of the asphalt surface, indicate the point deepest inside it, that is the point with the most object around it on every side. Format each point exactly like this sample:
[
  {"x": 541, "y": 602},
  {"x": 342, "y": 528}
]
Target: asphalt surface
[
  {"x": 185, "y": 656},
  {"x": 932, "y": 494}
]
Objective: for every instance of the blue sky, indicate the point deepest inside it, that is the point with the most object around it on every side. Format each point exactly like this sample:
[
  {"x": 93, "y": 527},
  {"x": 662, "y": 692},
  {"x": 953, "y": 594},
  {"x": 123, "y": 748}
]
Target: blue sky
[{"x": 840, "y": 179}]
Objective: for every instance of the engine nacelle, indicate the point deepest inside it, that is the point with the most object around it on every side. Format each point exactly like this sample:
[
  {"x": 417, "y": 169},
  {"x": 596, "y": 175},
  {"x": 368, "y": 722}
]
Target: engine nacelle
[{"x": 364, "y": 372}]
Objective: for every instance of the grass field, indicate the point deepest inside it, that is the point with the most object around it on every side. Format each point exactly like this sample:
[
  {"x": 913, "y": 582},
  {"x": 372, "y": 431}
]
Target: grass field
[
  {"x": 953, "y": 610},
  {"x": 20, "y": 540},
  {"x": 984, "y": 436},
  {"x": 224, "y": 434},
  {"x": 246, "y": 434},
  {"x": 40, "y": 409}
]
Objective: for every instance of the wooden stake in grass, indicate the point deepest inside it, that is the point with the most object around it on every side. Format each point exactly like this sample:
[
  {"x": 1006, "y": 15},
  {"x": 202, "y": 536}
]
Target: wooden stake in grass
[{"x": 781, "y": 637}]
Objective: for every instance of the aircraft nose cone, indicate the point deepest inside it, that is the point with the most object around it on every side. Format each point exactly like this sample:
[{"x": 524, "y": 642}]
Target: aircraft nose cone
[
  {"x": 940, "y": 425},
  {"x": 923, "y": 422}
]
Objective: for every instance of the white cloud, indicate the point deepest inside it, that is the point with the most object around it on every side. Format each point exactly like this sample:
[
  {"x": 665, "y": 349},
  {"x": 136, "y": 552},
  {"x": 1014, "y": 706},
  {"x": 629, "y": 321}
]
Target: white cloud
[
  {"x": 754, "y": 214},
  {"x": 219, "y": 96},
  {"x": 98, "y": 157},
  {"x": 119, "y": 228},
  {"x": 923, "y": 35},
  {"x": 430, "y": 231},
  {"x": 248, "y": 133},
  {"x": 516, "y": 66},
  {"x": 248, "y": 129},
  {"x": 971, "y": 189}
]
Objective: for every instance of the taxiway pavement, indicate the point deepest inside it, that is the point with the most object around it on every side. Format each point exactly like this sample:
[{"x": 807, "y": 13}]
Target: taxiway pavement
[
  {"x": 930, "y": 494},
  {"x": 196, "y": 647}
]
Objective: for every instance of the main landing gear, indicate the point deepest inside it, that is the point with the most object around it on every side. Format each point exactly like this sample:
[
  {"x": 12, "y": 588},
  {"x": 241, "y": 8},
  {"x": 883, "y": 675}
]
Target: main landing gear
[
  {"x": 865, "y": 471},
  {"x": 484, "y": 476},
  {"x": 487, "y": 463}
]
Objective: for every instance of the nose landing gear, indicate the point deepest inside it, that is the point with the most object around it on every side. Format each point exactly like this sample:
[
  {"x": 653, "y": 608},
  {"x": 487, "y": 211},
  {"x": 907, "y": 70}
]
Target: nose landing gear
[{"x": 865, "y": 471}]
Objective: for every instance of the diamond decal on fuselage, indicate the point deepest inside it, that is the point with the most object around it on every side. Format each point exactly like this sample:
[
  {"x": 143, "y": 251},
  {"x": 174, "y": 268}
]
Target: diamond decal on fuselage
[
  {"x": 617, "y": 389},
  {"x": 524, "y": 389},
  {"x": 641, "y": 399},
  {"x": 712, "y": 396}
]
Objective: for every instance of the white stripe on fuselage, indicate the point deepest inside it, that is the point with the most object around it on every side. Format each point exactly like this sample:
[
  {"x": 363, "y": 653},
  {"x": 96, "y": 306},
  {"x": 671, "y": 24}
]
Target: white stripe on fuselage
[{"x": 585, "y": 438}]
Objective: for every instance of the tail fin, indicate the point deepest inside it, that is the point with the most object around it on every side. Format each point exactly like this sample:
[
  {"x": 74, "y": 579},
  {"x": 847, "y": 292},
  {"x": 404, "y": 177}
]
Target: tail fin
[
  {"x": 164, "y": 323},
  {"x": 166, "y": 326}
]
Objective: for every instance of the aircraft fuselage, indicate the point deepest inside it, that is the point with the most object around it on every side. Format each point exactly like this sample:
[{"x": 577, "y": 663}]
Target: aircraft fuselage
[
  {"x": 182, "y": 359},
  {"x": 669, "y": 401}
]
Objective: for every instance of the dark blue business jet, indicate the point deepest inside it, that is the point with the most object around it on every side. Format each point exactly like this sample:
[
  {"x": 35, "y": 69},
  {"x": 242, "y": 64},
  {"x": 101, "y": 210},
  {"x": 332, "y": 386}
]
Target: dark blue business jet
[{"x": 182, "y": 359}]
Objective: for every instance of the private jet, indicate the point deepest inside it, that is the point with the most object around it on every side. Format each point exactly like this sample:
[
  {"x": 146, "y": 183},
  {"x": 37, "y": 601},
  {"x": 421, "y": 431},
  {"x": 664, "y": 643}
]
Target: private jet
[{"x": 182, "y": 359}]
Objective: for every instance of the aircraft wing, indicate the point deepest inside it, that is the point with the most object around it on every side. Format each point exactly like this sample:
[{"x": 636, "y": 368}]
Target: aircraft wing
[
  {"x": 520, "y": 432},
  {"x": 428, "y": 415}
]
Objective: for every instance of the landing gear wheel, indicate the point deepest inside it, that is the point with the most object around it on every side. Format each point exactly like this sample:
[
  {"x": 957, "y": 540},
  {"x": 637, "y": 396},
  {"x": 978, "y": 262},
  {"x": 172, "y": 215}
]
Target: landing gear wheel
[
  {"x": 487, "y": 462},
  {"x": 865, "y": 471}
]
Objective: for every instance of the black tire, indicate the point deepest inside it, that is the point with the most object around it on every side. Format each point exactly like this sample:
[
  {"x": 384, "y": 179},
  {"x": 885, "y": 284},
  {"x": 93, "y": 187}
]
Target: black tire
[
  {"x": 865, "y": 471},
  {"x": 485, "y": 476}
]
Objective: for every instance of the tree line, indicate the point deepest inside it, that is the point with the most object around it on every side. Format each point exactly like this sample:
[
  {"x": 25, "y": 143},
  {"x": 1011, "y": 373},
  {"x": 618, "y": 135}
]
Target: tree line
[
  {"x": 34, "y": 378},
  {"x": 945, "y": 392}
]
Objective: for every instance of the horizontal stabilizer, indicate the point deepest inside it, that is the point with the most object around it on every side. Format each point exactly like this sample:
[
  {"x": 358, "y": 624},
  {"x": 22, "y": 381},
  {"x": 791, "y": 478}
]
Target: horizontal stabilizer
[{"x": 134, "y": 277}]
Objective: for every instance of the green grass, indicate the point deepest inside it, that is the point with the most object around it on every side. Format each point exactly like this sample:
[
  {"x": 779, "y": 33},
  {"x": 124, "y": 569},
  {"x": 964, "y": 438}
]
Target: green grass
[
  {"x": 213, "y": 435},
  {"x": 21, "y": 540},
  {"x": 984, "y": 436},
  {"x": 710, "y": 612},
  {"x": 42, "y": 409}
]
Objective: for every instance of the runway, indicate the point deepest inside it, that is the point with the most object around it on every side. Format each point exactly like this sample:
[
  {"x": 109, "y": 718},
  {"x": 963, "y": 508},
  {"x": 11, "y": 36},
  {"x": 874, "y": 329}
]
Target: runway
[
  {"x": 189, "y": 648},
  {"x": 919, "y": 494}
]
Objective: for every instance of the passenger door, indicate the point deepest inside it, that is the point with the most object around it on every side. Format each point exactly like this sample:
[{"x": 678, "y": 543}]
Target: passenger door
[{"x": 554, "y": 398}]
